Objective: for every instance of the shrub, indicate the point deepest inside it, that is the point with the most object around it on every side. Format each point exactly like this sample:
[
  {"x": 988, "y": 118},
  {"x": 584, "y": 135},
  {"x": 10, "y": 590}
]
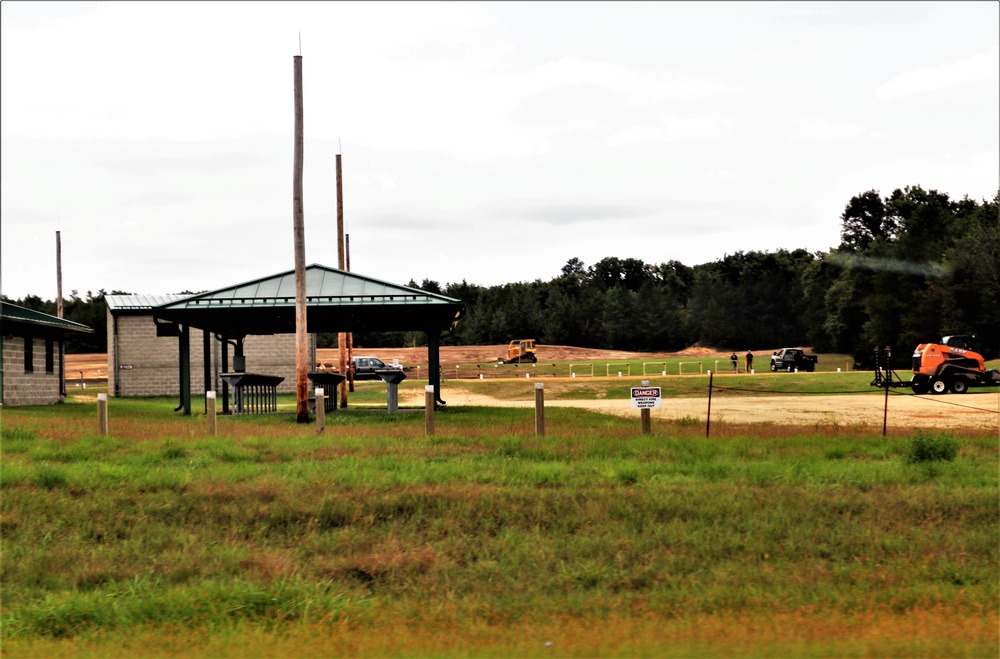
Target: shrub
[{"x": 931, "y": 448}]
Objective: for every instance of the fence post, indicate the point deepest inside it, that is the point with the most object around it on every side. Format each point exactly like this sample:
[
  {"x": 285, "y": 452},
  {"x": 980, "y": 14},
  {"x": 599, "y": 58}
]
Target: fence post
[
  {"x": 885, "y": 412},
  {"x": 429, "y": 410},
  {"x": 539, "y": 408},
  {"x": 102, "y": 414},
  {"x": 320, "y": 411},
  {"x": 210, "y": 411},
  {"x": 708, "y": 418}
]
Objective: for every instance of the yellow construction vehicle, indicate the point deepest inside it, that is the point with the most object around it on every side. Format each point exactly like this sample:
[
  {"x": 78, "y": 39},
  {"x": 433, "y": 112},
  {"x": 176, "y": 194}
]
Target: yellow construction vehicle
[{"x": 518, "y": 352}]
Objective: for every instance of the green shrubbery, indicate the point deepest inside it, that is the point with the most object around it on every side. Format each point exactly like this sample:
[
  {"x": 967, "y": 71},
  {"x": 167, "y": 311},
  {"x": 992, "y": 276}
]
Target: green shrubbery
[{"x": 931, "y": 448}]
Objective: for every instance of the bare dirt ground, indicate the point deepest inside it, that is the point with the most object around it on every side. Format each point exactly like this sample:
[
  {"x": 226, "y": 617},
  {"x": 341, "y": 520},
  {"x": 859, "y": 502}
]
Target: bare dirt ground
[{"x": 977, "y": 409}]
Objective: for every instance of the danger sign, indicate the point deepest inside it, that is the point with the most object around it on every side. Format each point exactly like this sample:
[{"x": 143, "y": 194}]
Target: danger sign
[{"x": 646, "y": 398}]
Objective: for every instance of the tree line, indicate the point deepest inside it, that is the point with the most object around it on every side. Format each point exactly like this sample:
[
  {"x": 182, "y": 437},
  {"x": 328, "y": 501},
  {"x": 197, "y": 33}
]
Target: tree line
[{"x": 911, "y": 266}]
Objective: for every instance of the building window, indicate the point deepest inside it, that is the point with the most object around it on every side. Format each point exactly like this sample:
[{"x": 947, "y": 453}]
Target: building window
[
  {"x": 29, "y": 354},
  {"x": 50, "y": 356}
]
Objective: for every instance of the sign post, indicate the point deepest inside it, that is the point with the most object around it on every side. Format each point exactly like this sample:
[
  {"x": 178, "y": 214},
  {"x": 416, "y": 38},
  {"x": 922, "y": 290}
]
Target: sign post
[{"x": 645, "y": 398}]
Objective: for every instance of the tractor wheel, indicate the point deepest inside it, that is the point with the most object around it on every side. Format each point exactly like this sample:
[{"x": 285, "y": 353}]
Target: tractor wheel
[
  {"x": 938, "y": 386},
  {"x": 959, "y": 386},
  {"x": 919, "y": 387}
]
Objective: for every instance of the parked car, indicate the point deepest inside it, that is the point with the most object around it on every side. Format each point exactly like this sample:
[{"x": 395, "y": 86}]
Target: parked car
[{"x": 365, "y": 367}]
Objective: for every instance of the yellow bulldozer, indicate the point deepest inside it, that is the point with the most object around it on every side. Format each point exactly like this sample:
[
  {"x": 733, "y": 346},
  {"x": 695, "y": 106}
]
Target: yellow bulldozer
[{"x": 519, "y": 352}]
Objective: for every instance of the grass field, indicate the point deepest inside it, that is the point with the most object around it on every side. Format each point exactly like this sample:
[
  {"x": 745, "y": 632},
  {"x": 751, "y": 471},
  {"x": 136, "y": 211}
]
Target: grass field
[{"x": 485, "y": 540}]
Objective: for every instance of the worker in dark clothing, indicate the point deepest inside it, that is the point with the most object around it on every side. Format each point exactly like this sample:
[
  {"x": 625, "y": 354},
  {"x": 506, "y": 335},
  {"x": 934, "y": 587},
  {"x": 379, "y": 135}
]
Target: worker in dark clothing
[
  {"x": 735, "y": 360},
  {"x": 749, "y": 359}
]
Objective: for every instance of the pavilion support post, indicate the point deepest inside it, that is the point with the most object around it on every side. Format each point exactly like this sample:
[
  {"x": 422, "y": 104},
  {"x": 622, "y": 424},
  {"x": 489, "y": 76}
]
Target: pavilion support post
[
  {"x": 184, "y": 344},
  {"x": 206, "y": 364},
  {"x": 434, "y": 365},
  {"x": 225, "y": 369},
  {"x": 342, "y": 346},
  {"x": 298, "y": 221}
]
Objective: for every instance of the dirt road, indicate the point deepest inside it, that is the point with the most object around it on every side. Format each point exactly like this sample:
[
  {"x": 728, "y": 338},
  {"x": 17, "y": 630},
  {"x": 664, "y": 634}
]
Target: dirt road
[{"x": 972, "y": 410}]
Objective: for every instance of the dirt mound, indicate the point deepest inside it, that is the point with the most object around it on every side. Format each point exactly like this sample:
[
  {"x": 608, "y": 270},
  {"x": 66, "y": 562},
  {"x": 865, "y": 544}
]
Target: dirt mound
[{"x": 489, "y": 353}]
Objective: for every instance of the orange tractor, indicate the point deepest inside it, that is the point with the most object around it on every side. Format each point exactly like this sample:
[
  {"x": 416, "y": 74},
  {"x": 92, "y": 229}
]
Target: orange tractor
[{"x": 951, "y": 365}]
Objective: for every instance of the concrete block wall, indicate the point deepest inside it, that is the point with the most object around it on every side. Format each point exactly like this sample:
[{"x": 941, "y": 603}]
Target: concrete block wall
[
  {"x": 147, "y": 365},
  {"x": 37, "y": 387}
]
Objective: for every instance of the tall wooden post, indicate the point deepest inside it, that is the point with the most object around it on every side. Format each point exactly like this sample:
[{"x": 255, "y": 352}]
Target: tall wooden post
[
  {"x": 59, "y": 313},
  {"x": 301, "y": 335},
  {"x": 350, "y": 335},
  {"x": 342, "y": 336},
  {"x": 59, "y": 295}
]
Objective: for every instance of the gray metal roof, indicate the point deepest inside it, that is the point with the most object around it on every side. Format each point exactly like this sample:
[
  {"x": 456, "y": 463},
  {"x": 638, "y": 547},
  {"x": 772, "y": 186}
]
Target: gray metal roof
[
  {"x": 336, "y": 300},
  {"x": 324, "y": 287},
  {"x": 134, "y": 302}
]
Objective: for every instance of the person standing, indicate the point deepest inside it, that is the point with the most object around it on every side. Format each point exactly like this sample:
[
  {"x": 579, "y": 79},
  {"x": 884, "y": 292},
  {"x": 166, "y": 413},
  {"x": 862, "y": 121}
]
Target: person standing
[
  {"x": 749, "y": 360},
  {"x": 735, "y": 360}
]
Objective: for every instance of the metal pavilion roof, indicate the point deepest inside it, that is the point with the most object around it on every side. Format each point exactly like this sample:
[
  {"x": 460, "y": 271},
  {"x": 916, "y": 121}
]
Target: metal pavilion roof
[
  {"x": 139, "y": 302},
  {"x": 336, "y": 300},
  {"x": 12, "y": 313}
]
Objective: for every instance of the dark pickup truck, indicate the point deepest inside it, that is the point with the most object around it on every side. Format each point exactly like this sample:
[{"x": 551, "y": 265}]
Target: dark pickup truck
[
  {"x": 793, "y": 359},
  {"x": 365, "y": 367}
]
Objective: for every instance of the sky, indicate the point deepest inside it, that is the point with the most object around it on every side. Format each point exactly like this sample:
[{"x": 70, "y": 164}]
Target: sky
[{"x": 481, "y": 142}]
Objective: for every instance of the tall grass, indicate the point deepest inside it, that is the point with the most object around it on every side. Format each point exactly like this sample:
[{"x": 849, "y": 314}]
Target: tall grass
[{"x": 488, "y": 540}]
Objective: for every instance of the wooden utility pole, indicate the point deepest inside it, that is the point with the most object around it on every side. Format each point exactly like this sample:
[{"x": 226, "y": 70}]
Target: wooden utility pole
[
  {"x": 342, "y": 336},
  {"x": 301, "y": 335},
  {"x": 350, "y": 335},
  {"x": 59, "y": 297}
]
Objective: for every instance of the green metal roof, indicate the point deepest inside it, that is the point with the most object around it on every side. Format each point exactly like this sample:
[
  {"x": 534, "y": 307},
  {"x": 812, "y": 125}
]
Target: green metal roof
[
  {"x": 336, "y": 300},
  {"x": 22, "y": 315}
]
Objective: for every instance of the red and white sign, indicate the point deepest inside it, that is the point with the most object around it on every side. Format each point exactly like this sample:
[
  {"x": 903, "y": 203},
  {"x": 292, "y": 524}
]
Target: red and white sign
[{"x": 646, "y": 398}]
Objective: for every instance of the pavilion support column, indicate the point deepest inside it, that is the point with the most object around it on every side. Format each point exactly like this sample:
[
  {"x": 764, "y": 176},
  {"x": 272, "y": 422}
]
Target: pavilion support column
[
  {"x": 434, "y": 365},
  {"x": 206, "y": 363},
  {"x": 225, "y": 369},
  {"x": 184, "y": 349}
]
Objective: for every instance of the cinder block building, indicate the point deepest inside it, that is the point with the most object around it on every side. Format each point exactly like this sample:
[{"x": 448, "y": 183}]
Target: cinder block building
[
  {"x": 143, "y": 363},
  {"x": 32, "y": 345}
]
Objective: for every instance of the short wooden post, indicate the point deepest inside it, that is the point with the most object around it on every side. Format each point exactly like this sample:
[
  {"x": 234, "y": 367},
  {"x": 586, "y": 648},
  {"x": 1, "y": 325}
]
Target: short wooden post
[
  {"x": 429, "y": 410},
  {"x": 320, "y": 411},
  {"x": 102, "y": 414},
  {"x": 540, "y": 408},
  {"x": 210, "y": 411}
]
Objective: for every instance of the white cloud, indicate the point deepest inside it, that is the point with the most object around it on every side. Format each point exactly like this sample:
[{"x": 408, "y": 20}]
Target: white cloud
[
  {"x": 981, "y": 68},
  {"x": 816, "y": 129}
]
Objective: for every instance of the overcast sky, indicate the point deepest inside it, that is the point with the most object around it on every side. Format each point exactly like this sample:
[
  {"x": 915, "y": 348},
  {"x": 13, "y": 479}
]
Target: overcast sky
[{"x": 486, "y": 142}]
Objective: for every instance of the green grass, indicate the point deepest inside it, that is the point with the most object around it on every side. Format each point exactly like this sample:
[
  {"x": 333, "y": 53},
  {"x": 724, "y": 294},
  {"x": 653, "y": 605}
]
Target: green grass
[{"x": 485, "y": 540}]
